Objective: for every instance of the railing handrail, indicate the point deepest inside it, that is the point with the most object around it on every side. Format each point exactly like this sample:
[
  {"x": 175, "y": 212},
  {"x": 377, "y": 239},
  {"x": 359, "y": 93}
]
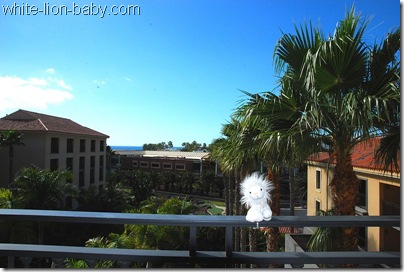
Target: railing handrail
[
  {"x": 228, "y": 256},
  {"x": 144, "y": 255},
  {"x": 195, "y": 220}
]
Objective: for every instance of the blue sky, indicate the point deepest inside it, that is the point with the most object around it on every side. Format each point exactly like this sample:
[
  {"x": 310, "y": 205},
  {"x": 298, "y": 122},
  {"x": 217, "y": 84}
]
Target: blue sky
[{"x": 171, "y": 73}]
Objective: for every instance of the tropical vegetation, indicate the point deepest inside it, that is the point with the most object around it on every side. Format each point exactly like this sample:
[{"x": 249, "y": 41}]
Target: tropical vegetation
[
  {"x": 126, "y": 191},
  {"x": 9, "y": 139},
  {"x": 334, "y": 92},
  {"x": 186, "y": 146}
]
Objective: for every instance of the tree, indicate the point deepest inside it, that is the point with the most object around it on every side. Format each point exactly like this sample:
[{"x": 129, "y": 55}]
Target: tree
[
  {"x": 43, "y": 189},
  {"x": 235, "y": 160},
  {"x": 89, "y": 199},
  {"x": 8, "y": 200},
  {"x": 9, "y": 139},
  {"x": 158, "y": 147},
  {"x": 140, "y": 182},
  {"x": 194, "y": 146},
  {"x": 325, "y": 238},
  {"x": 343, "y": 90},
  {"x": 19, "y": 230},
  {"x": 116, "y": 197},
  {"x": 267, "y": 136}
]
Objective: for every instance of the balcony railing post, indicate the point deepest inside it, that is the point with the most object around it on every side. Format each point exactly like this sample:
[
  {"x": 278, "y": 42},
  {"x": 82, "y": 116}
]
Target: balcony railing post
[
  {"x": 228, "y": 245},
  {"x": 229, "y": 242},
  {"x": 192, "y": 241}
]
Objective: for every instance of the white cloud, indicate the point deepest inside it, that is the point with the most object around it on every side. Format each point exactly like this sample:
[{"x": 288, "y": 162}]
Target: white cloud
[
  {"x": 37, "y": 93},
  {"x": 50, "y": 71},
  {"x": 34, "y": 81},
  {"x": 99, "y": 82},
  {"x": 61, "y": 83}
]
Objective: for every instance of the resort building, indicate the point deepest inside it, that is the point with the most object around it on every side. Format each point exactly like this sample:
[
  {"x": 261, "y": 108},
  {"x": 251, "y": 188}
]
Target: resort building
[
  {"x": 196, "y": 162},
  {"x": 379, "y": 194},
  {"x": 54, "y": 143}
]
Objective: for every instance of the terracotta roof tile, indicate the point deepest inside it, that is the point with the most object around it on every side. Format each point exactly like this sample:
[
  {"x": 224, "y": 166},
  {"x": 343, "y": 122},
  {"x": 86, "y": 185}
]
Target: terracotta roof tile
[
  {"x": 362, "y": 155},
  {"x": 23, "y": 120}
]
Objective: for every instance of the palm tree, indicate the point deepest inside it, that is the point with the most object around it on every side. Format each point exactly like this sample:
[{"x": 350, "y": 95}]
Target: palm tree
[
  {"x": 387, "y": 153},
  {"x": 235, "y": 160},
  {"x": 43, "y": 189},
  {"x": 268, "y": 136},
  {"x": 344, "y": 89},
  {"x": 9, "y": 139},
  {"x": 325, "y": 238},
  {"x": 8, "y": 200}
]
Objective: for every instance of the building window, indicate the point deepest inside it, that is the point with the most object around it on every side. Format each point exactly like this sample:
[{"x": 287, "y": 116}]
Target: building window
[
  {"x": 135, "y": 164},
  {"x": 92, "y": 169},
  {"x": 70, "y": 145},
  {"x": 92, "y": 148},
  {"x": 155, "y": 165},
  {"x": 390, "y": 200},
  {"x": 69, "y": 167},
  {"x": 318, "y": 207},
  {"x": 82, "y": 145},
  {"x": 54, "y": 145},
  {"x": 54, "y": 164},
  {"x": 179, "y": 166},
  {"x": 81, "y": 171},
  {"x": 167, "y": 165},
  {"x": 362, "y": 195},
  {"x": 69, "y": 164},
  {"x": 101, "y": 169},
  {"x": 318, "y": 179},
  {"x": 102, "y": 146},
  {"x": 144, "y": 164}
]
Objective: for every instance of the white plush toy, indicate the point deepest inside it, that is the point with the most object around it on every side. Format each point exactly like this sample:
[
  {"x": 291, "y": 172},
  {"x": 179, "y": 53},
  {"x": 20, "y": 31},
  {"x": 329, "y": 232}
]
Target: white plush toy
[{"x": 255, "y": 196}]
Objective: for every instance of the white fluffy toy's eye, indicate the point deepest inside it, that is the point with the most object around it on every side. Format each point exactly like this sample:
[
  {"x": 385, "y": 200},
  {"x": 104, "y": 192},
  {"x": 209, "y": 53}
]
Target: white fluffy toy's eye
[
  {"x": 261, "y": 189},
  {"x": 250, "y": 192}
]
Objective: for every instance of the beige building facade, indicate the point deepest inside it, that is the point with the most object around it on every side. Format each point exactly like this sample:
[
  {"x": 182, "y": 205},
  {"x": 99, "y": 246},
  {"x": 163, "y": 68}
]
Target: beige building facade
[
  {"x": 379, "y": 194},
  {"x": 54, "y": 143}
]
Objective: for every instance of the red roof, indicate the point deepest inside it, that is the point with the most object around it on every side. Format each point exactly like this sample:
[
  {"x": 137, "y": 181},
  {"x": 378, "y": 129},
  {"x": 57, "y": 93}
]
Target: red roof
[
  {"x": 362, "y": 155},
  {"x": 23, "y": 120}
]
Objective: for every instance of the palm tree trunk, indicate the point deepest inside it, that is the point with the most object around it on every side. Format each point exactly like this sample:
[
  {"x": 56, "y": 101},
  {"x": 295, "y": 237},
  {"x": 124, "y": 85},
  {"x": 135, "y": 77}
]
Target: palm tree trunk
[
  {"x": 344, "y": 188},
  {"x": 292, "y": 193},
  {"x": 273, "y": 234},
  {"x": 292, "y": 190},
  {"x": 231, "y": 193},
  {"x": 237, "y": 211},
  {"x": 243, "y": 243},
  {"x": 236, "y": 207},
  {"x": 252, "y": 239},
  {"x": 226, "y": 181}
]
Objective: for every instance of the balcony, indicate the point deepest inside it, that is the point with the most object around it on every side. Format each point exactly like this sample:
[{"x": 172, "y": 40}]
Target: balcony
[{"x": 192, "y": 255}]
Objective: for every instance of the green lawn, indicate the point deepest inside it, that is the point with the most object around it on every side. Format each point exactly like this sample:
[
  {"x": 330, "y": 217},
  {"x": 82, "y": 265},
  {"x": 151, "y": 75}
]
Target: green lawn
[{"x": 213, "y": 209}]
